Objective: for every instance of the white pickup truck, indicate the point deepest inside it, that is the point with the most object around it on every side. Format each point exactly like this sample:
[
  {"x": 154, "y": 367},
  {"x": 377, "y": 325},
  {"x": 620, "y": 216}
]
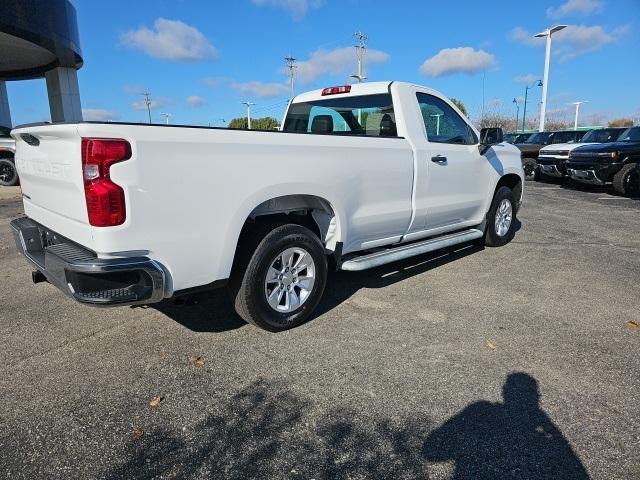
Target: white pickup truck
[{"x": 358, "y": 176}]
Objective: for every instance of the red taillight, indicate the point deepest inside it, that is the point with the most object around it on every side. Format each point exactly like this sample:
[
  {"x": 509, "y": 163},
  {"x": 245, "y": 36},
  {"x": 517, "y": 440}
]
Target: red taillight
[
  {"x": 105, "y": 199},
  {"x": 336, "y": 90}
]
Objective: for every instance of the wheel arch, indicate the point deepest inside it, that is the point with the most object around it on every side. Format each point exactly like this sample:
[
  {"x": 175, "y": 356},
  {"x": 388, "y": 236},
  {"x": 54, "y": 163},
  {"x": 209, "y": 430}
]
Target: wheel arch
[
  {"x": 514, "y": 182},
  {"x": 313, "y": 211}
]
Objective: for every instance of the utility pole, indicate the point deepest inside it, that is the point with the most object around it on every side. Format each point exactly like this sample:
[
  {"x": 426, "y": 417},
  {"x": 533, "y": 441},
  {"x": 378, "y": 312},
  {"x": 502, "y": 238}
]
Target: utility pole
[
  {"x": 147, "y": 102},
  {"x": 291, "y": 65},
  {"x": 166, "y": 117},
  {"x": 526, "y": 97},
  {"x": 545, "y": 82},
  {"x": 360, "y": 52},
  {"x": 249, "y": 105},
  {"x": 577, "y": 104}
]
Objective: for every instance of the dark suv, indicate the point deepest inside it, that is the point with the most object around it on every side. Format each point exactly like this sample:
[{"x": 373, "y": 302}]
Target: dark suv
[
  {"x": 531, "y": 147},
  {"x": 617, "y": 162}
]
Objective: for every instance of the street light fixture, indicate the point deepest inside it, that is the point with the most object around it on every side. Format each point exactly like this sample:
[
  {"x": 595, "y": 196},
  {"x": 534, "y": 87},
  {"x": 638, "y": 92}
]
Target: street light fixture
[
  {"x": 537, "y": 83},
  {"x": 577, "y": 104},
  {"x": 249, "y": 105},
  {"x": 545, "y": 83},
  {"x": 437, "y": 115}
]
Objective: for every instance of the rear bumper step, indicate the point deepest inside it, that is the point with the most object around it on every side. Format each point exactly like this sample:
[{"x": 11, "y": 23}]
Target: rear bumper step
[
  {"x": 79, "y": 273},
  {"x": 411, "y": 250}
]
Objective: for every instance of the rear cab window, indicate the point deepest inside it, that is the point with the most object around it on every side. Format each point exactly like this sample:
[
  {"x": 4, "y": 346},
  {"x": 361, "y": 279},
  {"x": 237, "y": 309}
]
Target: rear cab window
[{"x": 368, "y": 115}]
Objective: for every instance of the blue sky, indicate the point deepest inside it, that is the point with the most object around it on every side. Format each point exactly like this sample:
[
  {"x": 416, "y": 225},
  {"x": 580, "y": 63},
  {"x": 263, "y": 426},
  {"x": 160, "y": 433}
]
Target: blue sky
[{"x": 199, "y": 59}]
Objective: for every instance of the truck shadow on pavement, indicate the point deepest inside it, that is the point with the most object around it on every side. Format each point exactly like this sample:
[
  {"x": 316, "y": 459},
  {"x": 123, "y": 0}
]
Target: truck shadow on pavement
[
  {"x": 213, "y": 312},
  {"x": 267, "y": 431}
]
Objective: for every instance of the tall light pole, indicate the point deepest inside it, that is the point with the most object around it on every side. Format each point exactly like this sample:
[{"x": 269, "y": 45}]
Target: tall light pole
[
  {"x": 166, "y": 117},
  {"x": 249, "y": 105},
  {"x": 545, "y": 82},
  {"x": 147, "y": 102},
  {"x": 360, "y": 52},
  {"x": 291, "y": 65},
  {"x": 526, "y": 97},
  {"x": 577, "y": 104},
  {"x": 517, "y": 112}
]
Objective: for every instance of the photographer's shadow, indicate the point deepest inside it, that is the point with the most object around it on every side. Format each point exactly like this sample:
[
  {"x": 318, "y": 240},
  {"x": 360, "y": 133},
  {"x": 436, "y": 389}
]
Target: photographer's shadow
[{"x": 513, "y": 439}]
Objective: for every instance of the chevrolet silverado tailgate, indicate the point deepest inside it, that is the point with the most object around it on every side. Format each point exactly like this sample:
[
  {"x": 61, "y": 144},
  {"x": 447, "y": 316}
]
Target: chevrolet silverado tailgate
[{"x": 48, "y": 159}]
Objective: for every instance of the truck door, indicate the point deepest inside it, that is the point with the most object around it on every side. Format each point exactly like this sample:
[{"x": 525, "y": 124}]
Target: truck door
[{"x": 452, "y": 177}]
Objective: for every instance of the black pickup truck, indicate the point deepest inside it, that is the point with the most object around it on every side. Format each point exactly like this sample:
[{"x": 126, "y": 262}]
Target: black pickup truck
[
  {"x": 553, "y": 158},
  {"x": 530, "y": 148},
  {"x": 617, "y": 162}
]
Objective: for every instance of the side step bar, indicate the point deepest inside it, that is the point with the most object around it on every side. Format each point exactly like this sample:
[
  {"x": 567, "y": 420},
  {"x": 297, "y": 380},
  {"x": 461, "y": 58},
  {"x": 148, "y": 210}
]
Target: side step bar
[{"x": 406, "y": 251}]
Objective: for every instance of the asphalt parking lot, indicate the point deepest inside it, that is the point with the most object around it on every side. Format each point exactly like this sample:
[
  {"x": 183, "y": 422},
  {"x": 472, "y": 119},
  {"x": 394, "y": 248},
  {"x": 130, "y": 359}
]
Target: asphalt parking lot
[{"x": 517, "y": 362}]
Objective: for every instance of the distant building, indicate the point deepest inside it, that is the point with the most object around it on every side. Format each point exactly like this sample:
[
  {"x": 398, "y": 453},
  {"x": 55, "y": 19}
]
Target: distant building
[{"x": 39, "y": 38}]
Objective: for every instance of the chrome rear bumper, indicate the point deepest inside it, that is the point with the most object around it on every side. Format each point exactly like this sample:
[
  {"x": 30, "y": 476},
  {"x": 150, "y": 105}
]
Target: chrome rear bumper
[{"x": 79, "y": 273}]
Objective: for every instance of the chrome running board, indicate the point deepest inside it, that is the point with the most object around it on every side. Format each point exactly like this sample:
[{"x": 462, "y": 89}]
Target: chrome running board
[{"x": 411, "y": 250}]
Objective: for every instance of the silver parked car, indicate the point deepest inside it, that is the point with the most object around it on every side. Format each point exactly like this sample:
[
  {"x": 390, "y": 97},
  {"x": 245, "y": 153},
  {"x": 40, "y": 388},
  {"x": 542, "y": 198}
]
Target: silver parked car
[{"x": 8, "y": 173}]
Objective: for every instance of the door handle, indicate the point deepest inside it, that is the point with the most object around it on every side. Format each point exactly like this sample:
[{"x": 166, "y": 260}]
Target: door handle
[{"x": 439, "y": 159}]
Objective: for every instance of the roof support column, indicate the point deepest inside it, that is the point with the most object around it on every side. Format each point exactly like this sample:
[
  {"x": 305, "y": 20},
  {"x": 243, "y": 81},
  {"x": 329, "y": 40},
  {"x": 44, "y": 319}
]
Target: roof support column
[
  {"x": 5, "y": 113},
  {"x": 64, "y": 95}
]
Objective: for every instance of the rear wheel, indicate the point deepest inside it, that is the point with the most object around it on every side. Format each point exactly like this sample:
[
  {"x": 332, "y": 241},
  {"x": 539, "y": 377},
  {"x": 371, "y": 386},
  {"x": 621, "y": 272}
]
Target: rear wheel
[
  {"x": 530, "y": 167},
  {"x": 501, "y": 219},
  {"x": 8, "y": 173},
  {"x": 277, "y": 285},
  {"x": 627, "y": 180}
]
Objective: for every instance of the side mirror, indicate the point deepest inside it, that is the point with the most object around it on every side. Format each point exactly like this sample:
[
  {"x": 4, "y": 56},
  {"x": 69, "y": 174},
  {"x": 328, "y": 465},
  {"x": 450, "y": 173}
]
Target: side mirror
[
  {"x": 491, "y": 136},
  {"x": 488, "y": 137}
]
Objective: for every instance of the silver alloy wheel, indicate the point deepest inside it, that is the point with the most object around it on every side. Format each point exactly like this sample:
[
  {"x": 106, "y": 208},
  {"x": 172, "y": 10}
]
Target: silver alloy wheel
[
  {"x": 290, "y": 280},
  {"x": 504, "y": 216}
]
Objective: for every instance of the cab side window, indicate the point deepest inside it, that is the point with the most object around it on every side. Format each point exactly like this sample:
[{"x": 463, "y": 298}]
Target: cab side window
[{"x": 442, "y": 123}]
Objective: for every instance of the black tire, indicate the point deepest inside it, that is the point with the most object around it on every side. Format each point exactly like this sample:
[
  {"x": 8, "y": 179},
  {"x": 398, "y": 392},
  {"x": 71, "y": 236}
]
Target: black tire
[
  {"x": 8, "y": 173},
  {"x": 492, "y": 238},
  {"x": 530, "y": 167},
  {"x": 627, "y": 180},
  {"x": 247, "y": 283}
]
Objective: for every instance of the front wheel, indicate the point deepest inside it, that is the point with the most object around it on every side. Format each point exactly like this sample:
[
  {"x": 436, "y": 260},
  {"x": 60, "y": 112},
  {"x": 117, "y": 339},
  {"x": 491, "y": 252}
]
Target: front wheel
[
  {"x": 627, "y": 180},
  {"x": 530, "y": 167},
  {"x": 8, "y": 173},
  {"x": 501, "y": 219},
  {"x": 280, "y": 283}
]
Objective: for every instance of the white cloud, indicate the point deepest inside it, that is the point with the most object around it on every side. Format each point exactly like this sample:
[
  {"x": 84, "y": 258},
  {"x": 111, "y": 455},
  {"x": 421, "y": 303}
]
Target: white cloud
[
  {"x": 196, "y": 101},
  {"x": 297, "y": 8},
  {"x": 133, "y": 89},
  {"x": 528, "y": 78},
  {"x": 260, "y": 89},
  {"x": 215, "y": 81},
  {"x": 571, "y": 7},
  {"x": 170, "y": 40},
  {"x": 574, "y": 40},
  {"x": 99, "y": 115},
  {"x": 341, "y": 61},
  {"x": 141, "y": 105},
  {"x": 457, "y": 60}
]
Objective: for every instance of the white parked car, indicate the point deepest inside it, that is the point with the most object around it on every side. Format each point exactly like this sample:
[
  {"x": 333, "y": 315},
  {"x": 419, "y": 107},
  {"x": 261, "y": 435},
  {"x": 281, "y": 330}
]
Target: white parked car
[
  {"x": 553, "y": 158},
  {"x": 359, "y": 176},
  {"x": 8, "y": 173}
]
